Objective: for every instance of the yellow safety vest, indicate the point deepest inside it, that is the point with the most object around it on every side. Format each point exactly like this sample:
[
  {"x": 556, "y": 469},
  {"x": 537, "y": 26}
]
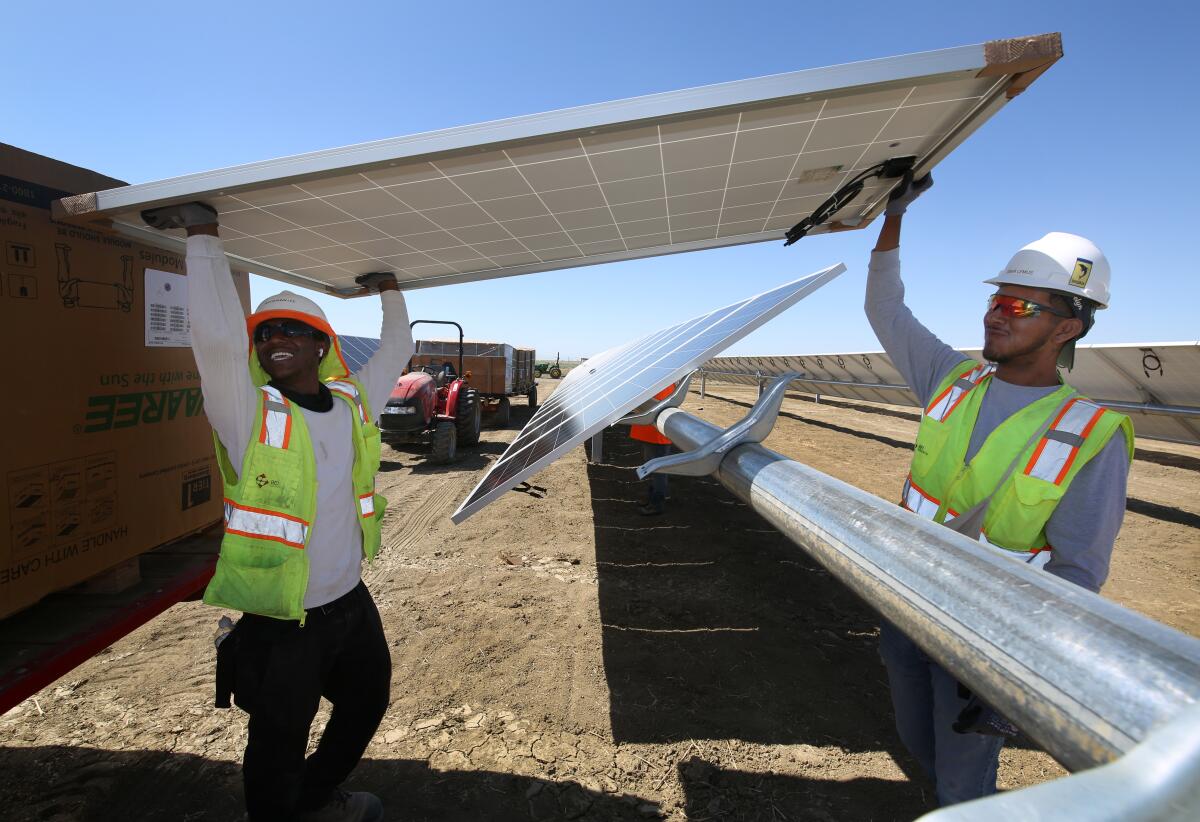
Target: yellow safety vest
[
  {"x": 941, "y": 486},
  {"x": 270, "y": 505}
]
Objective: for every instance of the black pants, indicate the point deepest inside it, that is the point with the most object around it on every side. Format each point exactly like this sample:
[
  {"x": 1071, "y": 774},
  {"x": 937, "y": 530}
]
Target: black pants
[
  {"x": 657, "y": 493},
  {"x": 283, "y": 670}
]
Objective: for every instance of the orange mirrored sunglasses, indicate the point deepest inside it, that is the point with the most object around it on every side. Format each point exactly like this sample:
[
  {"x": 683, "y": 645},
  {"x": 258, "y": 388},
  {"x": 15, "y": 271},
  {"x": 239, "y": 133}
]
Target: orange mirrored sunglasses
[{"x": 1018, "y": 307}]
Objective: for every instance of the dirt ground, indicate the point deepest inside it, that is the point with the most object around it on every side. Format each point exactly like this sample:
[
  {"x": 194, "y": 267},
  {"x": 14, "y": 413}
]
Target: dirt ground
[{"x": 558, "y": 656}]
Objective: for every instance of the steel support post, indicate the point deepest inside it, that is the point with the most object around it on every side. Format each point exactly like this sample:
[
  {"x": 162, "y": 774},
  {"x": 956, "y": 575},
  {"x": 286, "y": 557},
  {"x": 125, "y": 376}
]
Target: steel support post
[{"x": 1083, "y": 676}]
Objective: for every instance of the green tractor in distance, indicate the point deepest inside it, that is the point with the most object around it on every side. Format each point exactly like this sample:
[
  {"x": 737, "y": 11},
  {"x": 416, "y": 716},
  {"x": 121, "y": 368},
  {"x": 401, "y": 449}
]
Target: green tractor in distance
[{"x": 553, "y": 370}]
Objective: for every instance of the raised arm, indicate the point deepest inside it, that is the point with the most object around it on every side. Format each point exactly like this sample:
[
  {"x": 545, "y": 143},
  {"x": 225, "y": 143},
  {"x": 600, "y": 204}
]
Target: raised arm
[
  {"x": 380, "y": 373},
  {"x": 917, "y": 353},
  {"x": 219, "y": 341}
]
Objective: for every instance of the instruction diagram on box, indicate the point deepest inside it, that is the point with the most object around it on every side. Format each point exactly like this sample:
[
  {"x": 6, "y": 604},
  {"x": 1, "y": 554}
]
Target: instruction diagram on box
[
  {"x": 77, "y": 292},
  {"x": 57, "y": 503},
  {"x": 20, "y": 254},
  {"x": 22, "y": 286},
  {"x": 167, "y": 322}
]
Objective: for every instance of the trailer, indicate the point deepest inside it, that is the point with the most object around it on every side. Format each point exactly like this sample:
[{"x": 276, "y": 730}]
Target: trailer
[{"x": 496, "y": 371}]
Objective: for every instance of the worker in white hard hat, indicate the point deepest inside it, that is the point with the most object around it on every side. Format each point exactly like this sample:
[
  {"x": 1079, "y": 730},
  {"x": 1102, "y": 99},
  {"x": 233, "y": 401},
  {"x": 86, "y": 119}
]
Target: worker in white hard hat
[
  {"x": 299, "y": 450},
  {"x": 1007, "y": 453}
]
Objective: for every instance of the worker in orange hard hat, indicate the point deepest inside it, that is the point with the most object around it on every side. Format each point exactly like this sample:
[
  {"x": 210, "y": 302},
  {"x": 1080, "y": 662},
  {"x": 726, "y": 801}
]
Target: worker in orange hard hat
[
  {"x": 298, "y": 449},
  {"x": 654, "y": 445}
]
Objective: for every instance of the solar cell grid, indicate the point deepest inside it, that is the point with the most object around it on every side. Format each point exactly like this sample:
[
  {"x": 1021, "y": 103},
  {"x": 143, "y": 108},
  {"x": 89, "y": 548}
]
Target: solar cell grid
[
  {"x": 603, "y": 389},
  {"x": 357, "y": 350},
  {"x": 726, "y": 164},
  {"x": 637, "y": 189}
]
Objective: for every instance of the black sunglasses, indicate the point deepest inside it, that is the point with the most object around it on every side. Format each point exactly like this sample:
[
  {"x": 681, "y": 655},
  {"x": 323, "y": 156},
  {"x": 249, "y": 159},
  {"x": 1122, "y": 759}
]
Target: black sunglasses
[{"x": 288, "y": 328}]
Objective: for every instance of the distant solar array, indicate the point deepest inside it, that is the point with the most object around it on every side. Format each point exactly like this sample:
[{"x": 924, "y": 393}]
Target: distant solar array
[
  {"x": 1157, "y": 384},
  {"x": 720, "y": 165},
  {"x": 610, "y": 385},
  {"x": 357, "y": 350}
]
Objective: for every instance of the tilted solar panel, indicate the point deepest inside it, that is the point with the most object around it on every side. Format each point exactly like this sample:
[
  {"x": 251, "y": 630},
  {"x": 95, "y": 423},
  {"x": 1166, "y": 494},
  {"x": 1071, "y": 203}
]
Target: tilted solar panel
[
  {"x": 608, "y": 386},
  {"x": 721, "y": 165}
]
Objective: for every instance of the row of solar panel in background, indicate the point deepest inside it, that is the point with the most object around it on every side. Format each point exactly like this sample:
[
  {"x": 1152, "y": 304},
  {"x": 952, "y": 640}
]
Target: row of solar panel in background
[
  {"x": 1165, "y": 377},
  {"x": 1160, "y": 374},
  {"x": 357, "y": 350}
]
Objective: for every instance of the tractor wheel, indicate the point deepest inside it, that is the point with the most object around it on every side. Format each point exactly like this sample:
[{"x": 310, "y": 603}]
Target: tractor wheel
[
  {"x": 467, "y": 417},
  {"x": 556, "y": 372},
  {"x": 445, "y": 443},
  {"x": 503, "y": 413},
  {"x": 531, "y": 398}
]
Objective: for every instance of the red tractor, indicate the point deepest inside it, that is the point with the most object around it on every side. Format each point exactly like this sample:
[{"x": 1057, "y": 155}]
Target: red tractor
[{"x": 435, "y": 405}]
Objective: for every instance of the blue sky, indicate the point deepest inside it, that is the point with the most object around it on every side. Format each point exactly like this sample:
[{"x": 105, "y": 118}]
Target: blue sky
[{"x": 1102, "y": 145}]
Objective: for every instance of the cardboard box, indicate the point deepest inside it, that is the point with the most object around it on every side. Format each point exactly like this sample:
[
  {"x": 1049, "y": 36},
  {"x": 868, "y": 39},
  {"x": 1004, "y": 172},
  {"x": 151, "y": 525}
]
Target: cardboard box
[
  {"x": 496, "y": 368},
  {"x": 107, "y": 452}
]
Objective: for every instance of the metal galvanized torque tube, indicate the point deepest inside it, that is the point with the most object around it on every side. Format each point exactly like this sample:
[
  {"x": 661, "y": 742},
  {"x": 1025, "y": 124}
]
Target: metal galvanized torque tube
[{"x": 1083, "y": 676}]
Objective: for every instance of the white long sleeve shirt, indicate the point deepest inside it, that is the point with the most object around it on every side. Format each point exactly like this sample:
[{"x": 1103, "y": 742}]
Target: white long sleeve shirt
[{"x": 221, "y": 345}]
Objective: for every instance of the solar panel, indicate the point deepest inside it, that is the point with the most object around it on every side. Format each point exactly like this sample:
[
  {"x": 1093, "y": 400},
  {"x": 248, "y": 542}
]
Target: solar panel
[
  {"x": 606, "y": 387},
  {"x": 1157, "y": 384},
  {"x": 357, "y": 350},
  {"x": 721, "y": 165}
]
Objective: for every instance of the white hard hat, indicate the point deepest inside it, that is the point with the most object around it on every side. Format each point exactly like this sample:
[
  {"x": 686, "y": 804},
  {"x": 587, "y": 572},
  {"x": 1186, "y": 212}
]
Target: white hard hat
[
  {"x": 1060, "y": 262},
  {"x": 290, "y": 305}
]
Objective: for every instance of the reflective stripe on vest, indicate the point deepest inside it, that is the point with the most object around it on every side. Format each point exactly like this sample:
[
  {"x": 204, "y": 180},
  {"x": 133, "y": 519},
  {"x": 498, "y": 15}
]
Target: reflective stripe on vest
[
  {"x": 925, "y": 506},
  {"x": 945, "y": 403},
  {"x": 276, "y": 428},
  {"x": 260, "y": 524},
  {"x": 350, "y": 392},
  {"x": 1035, "y": 557},
  {"x": 1052, "y": 459},
  {"x": 918, "y": 501},
  {"x": 366, "y": 505}
]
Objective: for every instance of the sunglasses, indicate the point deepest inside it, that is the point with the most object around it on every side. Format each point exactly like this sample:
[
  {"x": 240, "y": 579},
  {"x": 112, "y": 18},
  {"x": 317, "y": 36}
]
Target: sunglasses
[
  {"x": 1017, "y": 307},
  {"x": 288, "y": 328}
]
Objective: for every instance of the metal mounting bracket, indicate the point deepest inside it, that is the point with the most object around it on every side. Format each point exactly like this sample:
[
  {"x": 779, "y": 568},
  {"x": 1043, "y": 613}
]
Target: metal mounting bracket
[
  {"x": 1157, "y": 779},
  {"x": 754, "y": 427},
  {"x": 647, "y": 412}
]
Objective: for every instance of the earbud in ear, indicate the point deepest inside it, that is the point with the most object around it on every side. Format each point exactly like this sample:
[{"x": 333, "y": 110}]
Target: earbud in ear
[{"x": 320, "y": 352}]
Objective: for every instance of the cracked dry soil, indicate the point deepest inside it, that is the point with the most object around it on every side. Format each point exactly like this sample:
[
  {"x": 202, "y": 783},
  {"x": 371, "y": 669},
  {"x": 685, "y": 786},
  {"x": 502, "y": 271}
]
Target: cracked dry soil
[{"x": 559, "y": 657}]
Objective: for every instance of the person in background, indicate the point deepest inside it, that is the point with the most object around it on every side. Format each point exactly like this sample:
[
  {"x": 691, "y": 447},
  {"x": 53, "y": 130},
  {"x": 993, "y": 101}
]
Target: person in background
[
  {"x": 654, "y": 445},
  {"x": 1008, "y": 454}
]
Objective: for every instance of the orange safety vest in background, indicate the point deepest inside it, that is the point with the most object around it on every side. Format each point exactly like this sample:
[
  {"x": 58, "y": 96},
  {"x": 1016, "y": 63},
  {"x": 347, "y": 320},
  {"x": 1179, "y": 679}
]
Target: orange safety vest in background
[{"x": 648, "y": 433}]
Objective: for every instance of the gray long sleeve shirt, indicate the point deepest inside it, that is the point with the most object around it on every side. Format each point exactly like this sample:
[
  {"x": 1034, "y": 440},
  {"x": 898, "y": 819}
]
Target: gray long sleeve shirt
[{"x": 1084, "y": 526}]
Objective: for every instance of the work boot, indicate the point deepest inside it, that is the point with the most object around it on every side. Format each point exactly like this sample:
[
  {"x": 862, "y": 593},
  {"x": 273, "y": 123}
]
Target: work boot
[
  {"x": 179, "y": 216},
  {"x": 346, "y": 806},
  {"x": 651, "y": 509}
]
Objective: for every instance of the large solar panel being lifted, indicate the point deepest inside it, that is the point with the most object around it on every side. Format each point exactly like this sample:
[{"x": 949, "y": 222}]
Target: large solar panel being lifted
[
  {"x": 1157, "y": 384},
  {"x": 610, "y": 385},
  {"x": 720, "y": 165}
]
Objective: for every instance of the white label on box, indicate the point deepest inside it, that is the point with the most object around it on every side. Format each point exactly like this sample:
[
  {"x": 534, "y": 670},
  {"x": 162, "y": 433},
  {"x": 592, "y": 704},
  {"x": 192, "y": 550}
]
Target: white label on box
[{"x": 167, "y": 322}]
